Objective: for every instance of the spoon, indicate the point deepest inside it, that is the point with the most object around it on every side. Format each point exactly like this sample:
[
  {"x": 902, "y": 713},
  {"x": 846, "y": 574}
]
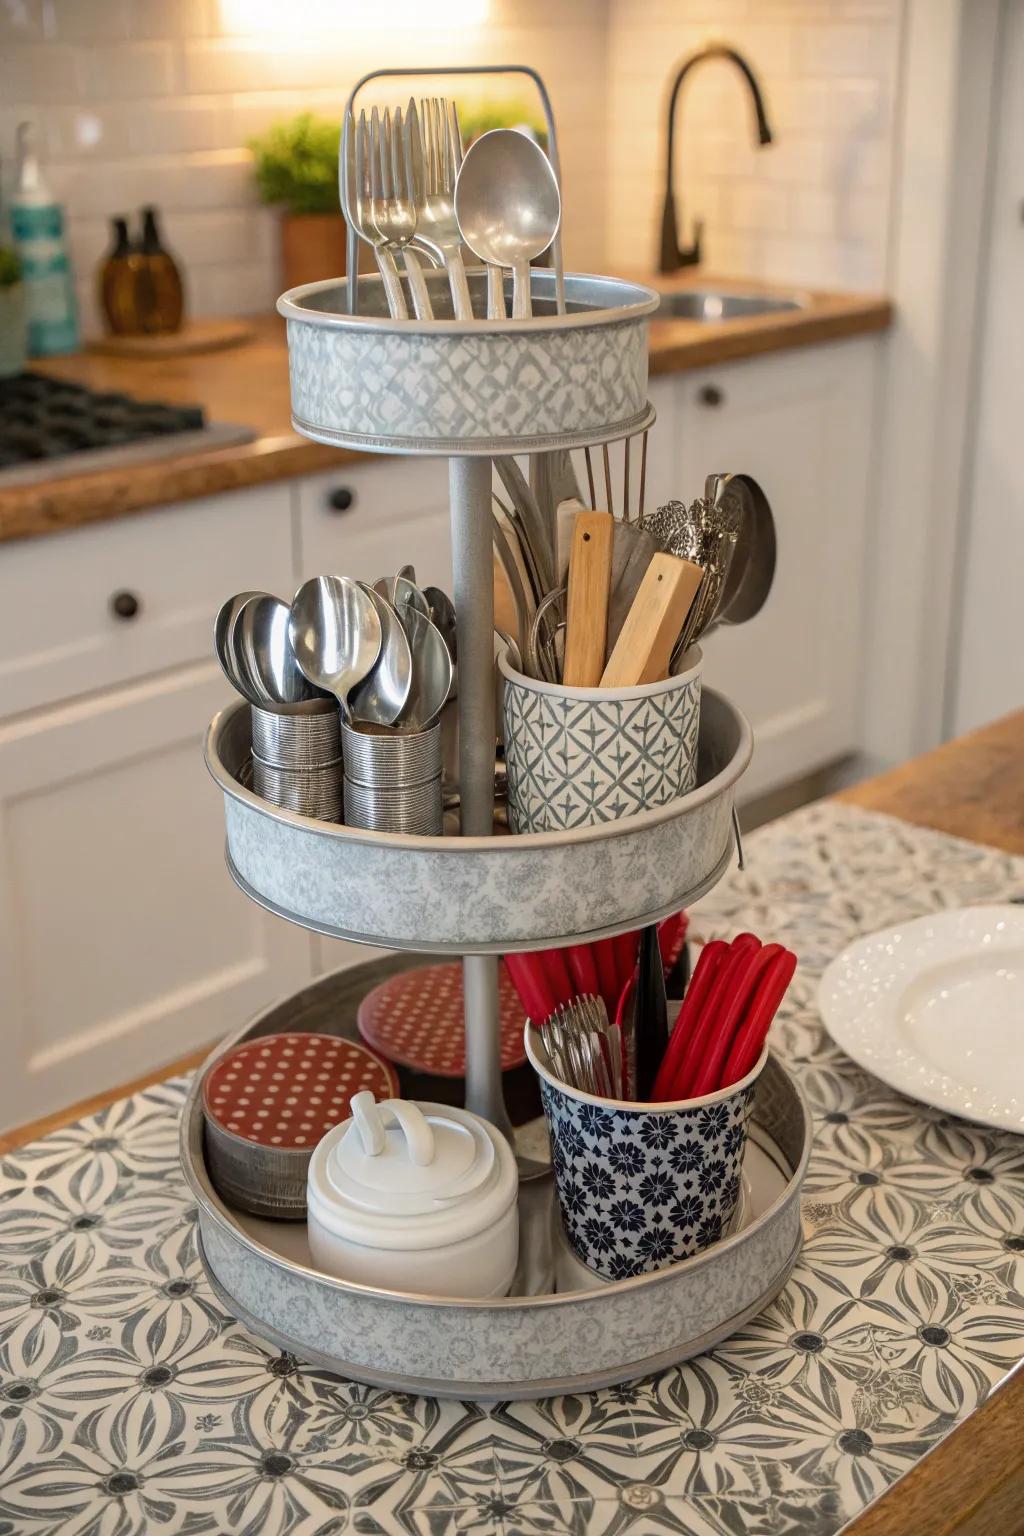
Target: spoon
[
  {"x": 431, "y": 671},
  {"x": 441, "y": 611},
  {"x": 400, "y": 591},
  {"x": 335, "y": 634},
  {"x": 752, "y": 570},
  {"x": 380, "y": 698},
  {"x": 264, "y": 657},
  {"x": 508, "y": 206},
  {"x": 224, "y": 642}
]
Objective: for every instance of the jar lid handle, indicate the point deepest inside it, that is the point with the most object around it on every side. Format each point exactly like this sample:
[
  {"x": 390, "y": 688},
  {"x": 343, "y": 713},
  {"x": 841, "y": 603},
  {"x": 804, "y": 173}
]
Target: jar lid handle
[{"x": 371, "y": 1118}]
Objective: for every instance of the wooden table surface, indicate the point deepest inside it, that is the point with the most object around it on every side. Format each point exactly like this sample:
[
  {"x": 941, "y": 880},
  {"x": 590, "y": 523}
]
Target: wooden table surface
[{"x": 972, "y": 1484}]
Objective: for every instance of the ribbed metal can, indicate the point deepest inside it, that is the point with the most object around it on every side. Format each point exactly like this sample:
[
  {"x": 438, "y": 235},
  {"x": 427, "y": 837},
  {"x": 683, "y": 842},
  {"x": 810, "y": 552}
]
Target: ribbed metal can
[
  {"x": 415, "y": 810},
  {"x": 388, "y": 758},
  {"x": 305, "y": 741},
  {"x": 317, "y": 792}
]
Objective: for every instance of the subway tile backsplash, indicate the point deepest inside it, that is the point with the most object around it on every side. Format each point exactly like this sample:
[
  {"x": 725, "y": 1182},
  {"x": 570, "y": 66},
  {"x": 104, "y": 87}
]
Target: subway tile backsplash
[
  {"x": 153, "y": 101},
  {"x": 812, "y": 208}
]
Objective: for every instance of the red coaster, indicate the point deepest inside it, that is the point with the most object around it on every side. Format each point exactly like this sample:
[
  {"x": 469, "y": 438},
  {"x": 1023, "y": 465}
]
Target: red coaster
[
  {"x": 416, "y": 1019},
  {"x": 288, "y": 1091}
]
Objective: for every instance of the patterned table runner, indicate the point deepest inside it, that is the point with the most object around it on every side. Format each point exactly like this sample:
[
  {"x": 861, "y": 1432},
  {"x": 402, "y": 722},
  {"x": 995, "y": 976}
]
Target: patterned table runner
[{"x": 130, "y": 1404}]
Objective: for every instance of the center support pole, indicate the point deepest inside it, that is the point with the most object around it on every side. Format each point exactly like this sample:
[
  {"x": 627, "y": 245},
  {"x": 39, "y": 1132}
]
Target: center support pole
[{"x": 469, "y": 484}]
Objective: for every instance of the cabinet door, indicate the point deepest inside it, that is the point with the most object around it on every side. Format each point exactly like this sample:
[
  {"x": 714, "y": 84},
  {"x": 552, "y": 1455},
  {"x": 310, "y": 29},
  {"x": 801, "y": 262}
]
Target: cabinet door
[
  {"x": 123, "y": 942},
  {"x": 368, "y": 519},
  {"x": 62, "y": 633},
  {"x": 799, "y": 422}
]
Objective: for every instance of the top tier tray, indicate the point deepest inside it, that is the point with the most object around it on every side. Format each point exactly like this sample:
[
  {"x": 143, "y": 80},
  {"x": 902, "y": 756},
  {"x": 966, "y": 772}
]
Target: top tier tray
[{"x": 454, "y": 387}]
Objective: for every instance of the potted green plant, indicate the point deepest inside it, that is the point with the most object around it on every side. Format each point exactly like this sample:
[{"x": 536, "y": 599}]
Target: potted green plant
[
  {"x": 479, "y": 117},
  {"x": 296, "y": 165},
  {"x": 13, "y": 314}
]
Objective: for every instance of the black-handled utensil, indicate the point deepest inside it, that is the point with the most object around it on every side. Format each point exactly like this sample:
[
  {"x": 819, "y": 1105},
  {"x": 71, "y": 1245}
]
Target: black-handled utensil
[{"x": 650, "y": 1013}]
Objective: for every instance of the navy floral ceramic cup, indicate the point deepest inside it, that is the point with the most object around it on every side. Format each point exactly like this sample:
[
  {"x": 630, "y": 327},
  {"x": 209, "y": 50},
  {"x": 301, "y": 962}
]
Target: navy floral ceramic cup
[{"x": 642, "y": 1186}]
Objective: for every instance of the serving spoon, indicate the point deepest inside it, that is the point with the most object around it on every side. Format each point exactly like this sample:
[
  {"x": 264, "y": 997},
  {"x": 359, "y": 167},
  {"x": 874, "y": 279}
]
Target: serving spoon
[
  {"x": 336, "y": 634},
  {"x": 508, "y": 206}
]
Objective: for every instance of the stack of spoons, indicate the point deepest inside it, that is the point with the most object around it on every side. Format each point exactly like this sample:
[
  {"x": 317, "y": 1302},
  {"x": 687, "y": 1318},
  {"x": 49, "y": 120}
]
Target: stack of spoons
[{"x": 346, "y": 685}]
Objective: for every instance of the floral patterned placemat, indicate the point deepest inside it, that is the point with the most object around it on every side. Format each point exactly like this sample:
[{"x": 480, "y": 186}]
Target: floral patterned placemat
[{"x": 130, "y": 1404}]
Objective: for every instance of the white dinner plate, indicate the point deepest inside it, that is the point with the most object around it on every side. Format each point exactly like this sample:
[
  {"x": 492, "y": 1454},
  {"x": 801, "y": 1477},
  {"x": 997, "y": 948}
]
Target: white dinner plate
[{"x": 935, "y": 1008}]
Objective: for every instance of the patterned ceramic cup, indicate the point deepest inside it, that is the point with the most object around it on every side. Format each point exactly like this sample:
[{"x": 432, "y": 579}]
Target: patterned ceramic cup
[
  {"x": 642, "y": 1186},
  {"x": 577, "y": 756}
]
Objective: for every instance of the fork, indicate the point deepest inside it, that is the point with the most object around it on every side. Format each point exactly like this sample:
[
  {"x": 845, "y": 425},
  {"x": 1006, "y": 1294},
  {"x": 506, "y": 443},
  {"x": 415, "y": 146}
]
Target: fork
[
  {"x": 363, "y": 172},
  {"x": 394, "y": 209},
  {"x": 437, "y": 226},
  {"x": 584, "y": 1048}
]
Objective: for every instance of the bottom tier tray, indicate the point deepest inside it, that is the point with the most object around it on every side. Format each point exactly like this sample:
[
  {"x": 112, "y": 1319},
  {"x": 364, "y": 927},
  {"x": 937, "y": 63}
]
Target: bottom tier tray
[
  {"x": 524, "y": 1345},
  {"x": 454, "y": 895}
]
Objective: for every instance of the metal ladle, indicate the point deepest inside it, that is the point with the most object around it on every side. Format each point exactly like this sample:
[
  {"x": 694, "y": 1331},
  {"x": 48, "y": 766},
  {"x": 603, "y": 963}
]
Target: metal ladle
[
  {"x": 508, "y": 206},
  {"x": 265, "y": 659},
  {"x": 335, "y": 633}
]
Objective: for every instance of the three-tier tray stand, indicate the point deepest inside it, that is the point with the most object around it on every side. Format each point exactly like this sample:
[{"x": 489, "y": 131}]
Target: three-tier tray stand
[{"x": 574, "y": 375}]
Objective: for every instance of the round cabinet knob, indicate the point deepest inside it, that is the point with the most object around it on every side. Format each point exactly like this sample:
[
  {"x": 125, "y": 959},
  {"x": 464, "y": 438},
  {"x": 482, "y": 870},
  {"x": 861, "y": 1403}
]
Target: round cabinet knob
[
  {"x": 124, "y": 605},
  {"x": 710, "y": 394},
  {"x": 341, "y": 498}
]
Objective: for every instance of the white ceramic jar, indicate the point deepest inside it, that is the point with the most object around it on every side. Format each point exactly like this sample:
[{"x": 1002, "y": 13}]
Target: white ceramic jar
[{"x": 419, "y": 1198}]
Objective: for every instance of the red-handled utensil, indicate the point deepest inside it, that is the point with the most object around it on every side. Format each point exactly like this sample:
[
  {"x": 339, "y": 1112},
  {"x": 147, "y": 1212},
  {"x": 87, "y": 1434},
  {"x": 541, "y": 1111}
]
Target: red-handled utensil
[
  {"x": 740, "y": 950},
  {"x": 671, "y": 938},
  {"x": 532, "y": 985},
  {"x": 556, "y": 970},
  {"x": 750, "y": 1037},
  {"x": 625, "y": 948},
  {"x": 712, "y": 955},
  {"x": 709, "y": 1075},
  {"x": 607, "y": 971},
  {"x": 583, "y": 970}
]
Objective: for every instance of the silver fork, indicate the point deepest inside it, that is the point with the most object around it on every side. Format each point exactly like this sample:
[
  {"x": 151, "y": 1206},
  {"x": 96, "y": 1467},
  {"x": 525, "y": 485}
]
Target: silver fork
[
  {"x": 437, "y": 225},
  {"x": 362, "y": 168},
  {"x": 394, "y": 213},
  {"x": 584, "y": 1049},
  {"x": 394, "y": 222}
]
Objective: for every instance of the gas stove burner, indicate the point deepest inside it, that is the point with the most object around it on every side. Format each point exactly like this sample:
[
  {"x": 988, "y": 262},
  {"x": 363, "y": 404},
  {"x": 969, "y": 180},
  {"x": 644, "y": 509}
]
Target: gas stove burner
[
  {"x": 43, "y": 418},
  {"x": 50, "y": 427}
]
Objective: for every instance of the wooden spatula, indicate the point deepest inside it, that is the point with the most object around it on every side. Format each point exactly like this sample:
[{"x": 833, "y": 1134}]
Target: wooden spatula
[
  {"x": 590, "y": 570},
  {"x": 644, "y": 648}
]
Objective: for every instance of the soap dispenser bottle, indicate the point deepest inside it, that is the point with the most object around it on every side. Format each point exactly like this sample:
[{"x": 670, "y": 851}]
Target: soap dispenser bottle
[{"x": 38, "y": 231}]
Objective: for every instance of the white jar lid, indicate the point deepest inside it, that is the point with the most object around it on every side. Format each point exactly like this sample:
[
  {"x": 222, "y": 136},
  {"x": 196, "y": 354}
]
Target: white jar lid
[{"x": 403, "y": 1175}]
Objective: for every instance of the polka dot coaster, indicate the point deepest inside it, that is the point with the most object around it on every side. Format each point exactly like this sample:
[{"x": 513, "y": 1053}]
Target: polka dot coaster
[
  {"x": 287, "y": 1091},
  {"x": 416, "y": 1019}
]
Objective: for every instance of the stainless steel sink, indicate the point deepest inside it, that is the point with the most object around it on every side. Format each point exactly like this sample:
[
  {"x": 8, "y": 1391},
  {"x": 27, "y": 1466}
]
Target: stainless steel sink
[{"x": 708, "y": 305}]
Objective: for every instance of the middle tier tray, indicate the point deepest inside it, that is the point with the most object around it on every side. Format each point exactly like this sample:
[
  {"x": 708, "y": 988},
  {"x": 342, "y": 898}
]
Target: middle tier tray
[{"x": 482, "y": 895}]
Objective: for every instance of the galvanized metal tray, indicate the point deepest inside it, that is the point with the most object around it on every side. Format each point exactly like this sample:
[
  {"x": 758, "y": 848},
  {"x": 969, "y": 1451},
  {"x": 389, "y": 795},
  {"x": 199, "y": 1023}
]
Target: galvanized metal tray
[
  {"x": 480, "y": 895},
  {"x": 465, "y": 388},
  {"x": 522, "y": 1346}
]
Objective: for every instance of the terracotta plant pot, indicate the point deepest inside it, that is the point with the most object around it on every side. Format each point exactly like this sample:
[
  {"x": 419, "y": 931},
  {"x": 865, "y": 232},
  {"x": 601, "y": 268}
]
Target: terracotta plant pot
[{"x": 312, "y": 247}]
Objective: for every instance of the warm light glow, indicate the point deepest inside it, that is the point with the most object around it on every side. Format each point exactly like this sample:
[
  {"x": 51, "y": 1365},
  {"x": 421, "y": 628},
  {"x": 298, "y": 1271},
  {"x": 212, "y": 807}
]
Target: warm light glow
[{"x": 309, "y": 17}]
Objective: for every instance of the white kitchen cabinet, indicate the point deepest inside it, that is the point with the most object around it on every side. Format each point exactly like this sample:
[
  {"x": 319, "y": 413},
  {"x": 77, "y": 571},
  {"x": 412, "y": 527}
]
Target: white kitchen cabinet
[
  {"x": 60, "y": 632},
  {"x": 123, "y": 942},
  {"x": 367, "y": 519},
  {"x": 800, "y": 423}
]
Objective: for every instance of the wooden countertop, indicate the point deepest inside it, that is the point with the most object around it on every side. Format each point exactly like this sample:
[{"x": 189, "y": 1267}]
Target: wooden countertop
[
  {"x": 248, "y": 385},
  {"x": 972, "y": 1483}
]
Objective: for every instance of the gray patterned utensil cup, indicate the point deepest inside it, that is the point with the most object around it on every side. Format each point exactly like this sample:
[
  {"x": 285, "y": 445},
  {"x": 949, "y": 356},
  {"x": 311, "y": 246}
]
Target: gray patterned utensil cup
[
  {"x": 641, "y": 1186},
  {"x": 579, "y": 756}
]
